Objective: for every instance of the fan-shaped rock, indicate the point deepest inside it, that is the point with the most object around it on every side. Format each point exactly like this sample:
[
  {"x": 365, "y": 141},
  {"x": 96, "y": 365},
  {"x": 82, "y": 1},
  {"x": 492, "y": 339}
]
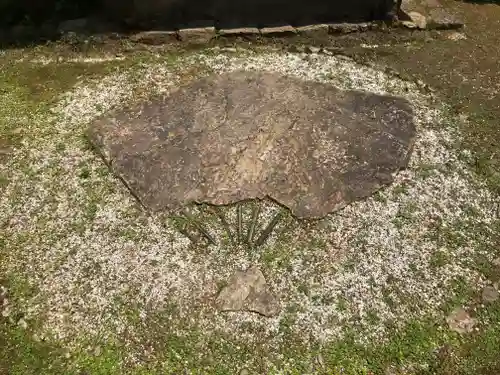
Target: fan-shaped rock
[{"x": 241, "y": 135}]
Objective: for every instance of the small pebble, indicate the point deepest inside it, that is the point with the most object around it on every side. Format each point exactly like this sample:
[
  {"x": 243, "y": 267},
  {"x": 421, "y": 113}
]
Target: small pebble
[
  {"x": 22, "y": 323},
  {"x": 312, "y": 49},
  {"x": 97, "y": 351},
  {"x": 6, "y": 312},
  {"x": 455, "y": 36}
]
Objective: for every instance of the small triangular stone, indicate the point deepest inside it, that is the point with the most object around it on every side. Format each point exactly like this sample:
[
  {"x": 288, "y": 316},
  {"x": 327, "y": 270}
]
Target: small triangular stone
[{"x": 248, "y": 291}]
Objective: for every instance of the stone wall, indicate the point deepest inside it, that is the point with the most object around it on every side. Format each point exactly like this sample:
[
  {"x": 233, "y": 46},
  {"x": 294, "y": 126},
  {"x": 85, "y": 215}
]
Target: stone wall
[
  {"x": 165, "y": 14},
  {"x": 14, "y": 12},
  {"x": 234, "y": 13}
]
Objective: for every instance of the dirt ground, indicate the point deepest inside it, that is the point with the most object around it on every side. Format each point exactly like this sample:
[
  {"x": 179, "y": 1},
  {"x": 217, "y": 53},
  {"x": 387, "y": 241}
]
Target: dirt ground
[
  {"x": 469, "y": 66},
  {"x": 467, "y": 72}
]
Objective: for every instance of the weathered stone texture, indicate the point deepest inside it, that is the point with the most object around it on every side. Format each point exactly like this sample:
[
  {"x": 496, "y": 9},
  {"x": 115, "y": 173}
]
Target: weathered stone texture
[
  {"x": 248, "y": 291},
  {"x": 242, "y": 135}
]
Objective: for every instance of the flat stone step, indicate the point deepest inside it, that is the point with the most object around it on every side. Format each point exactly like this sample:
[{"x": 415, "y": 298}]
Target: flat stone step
[
  {"x": 239, "y": 31},
  {"x": 278, "y": 30},
  {"x": 197, "y": 35}
]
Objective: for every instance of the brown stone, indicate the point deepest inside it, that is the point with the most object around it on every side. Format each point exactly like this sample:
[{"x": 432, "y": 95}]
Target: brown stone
[
  {"x": 248, "y": 291},
  {"x": 347, "y": 28},
  {"x": 421, "y": 6},
  {"x": 432, "y": 4},
  {"x": 409, "y": 24},
  {"x": 440, "y": 18},
  {"x": 313, "y": 31},
  {"x": 239, "y": 31},
  {"x": 198, "y": 35},
  {"x": 242, "y": 135},
  {"x": 456, "y": 36},
  {"x": 155, "y": 37},
  {"x": 418, "y": 19},
  {"x": 436, "y": 16},
  {"x": 277, "y": 30}
]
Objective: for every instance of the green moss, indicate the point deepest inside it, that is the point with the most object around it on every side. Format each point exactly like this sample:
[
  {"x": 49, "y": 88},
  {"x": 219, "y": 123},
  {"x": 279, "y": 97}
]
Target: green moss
[
  {"x": 481, "y": 135},
  {"x": 439, "y": 259},
  {"x": 414, "y": 344},
  {"x": 21, "y": 355}
]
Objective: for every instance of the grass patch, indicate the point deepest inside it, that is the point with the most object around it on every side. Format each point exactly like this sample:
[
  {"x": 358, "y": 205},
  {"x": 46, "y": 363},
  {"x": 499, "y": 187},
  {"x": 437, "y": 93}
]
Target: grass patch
[
  {"x": 481, "y": 133},
  {"x": 416, "y": 347},
  {"x": 21, "y": 355}
]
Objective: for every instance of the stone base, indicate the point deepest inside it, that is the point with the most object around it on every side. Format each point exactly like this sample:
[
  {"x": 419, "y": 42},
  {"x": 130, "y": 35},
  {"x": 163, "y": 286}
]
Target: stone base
[
  {"x": 313, "y": 31},
  {"x": 240, "y": 31},
  {"x": 155, "y": 37},
  {"x": 277, "y": 30},
  {"x": 199, "y": 35}
]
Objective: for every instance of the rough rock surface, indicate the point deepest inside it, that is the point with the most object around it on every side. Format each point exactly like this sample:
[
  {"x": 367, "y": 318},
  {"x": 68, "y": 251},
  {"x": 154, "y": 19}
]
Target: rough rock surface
[
  {"x": 418, "y": 19},
  {"x": 440, "y": 18},
  {"x": 239, "y": 31},
  {"x": 248, "y": 291},
  {"x": 320, "y": 30},
  {"x": 242, "y": 135},
  {"x": 154, "y": 37},
  {"x": 277, "y": 30},
  {"x": 197, "y": 35},
  {"x": 430, "y": 14}
]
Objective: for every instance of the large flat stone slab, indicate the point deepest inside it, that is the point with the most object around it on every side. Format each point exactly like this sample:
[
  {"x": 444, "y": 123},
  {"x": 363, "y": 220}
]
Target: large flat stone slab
[{"x": 242, "y": 135}]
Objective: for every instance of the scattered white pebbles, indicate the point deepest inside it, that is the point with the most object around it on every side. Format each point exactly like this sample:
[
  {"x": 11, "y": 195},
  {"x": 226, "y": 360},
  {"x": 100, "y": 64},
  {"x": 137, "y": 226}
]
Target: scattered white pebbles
[{"x": 77, "y": 235}]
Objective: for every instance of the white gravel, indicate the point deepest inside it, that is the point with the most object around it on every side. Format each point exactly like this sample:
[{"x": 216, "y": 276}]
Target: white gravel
[{"x": 87, "y": 246}]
